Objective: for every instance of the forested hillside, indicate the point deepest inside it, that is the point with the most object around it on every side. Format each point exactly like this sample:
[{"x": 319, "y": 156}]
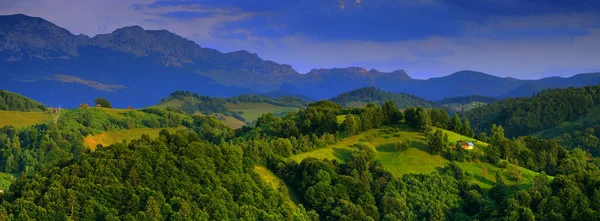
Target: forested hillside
[
  {"x": 468, "y": 99},
  {"x": 545, "y": 110},
  {"x": 17, "y": 102},
  {"x": 206, "y": 171},
  {"x": 362, "y": 96}
]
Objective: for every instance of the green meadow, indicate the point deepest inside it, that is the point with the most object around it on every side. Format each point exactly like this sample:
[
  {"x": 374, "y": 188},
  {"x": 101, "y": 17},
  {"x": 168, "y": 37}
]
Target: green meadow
[{"x": 417, "y": 159}]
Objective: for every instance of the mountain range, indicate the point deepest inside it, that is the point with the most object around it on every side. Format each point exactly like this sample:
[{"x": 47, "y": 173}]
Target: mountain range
[{"x": 137, "y": 67}]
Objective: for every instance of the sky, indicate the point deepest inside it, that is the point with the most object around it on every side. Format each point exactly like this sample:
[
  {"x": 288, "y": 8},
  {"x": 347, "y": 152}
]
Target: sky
[{"x": 526, "y": 39}]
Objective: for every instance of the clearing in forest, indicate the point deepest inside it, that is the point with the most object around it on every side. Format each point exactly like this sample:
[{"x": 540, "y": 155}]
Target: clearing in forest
[
  {"x": 21, "y": 119},
  {"x": 417, "y": 159},
  {"x": 111, "y": 137}
]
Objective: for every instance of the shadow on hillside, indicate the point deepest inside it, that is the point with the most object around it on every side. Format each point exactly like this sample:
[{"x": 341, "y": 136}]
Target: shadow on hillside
[
  {"x": 440, "y": 170},
  {"x": 388, "y": 148},
  {"x": 420, "y": 145},
  {"x": 406, "y": 127},
  {"x": 484, "y": 180},
  {"x": 341, "y": 153},
  {"x": 521, "y": 186}
]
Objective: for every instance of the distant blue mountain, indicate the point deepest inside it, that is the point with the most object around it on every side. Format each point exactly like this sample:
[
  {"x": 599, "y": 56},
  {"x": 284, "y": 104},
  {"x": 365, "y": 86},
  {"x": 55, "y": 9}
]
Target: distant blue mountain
[{"x": 137, "y": 67}]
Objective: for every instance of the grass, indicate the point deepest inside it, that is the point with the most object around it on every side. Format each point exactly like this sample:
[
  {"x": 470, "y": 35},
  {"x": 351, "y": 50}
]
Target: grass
[
  {"x": 112, "y": 137},
  {"x": 416, "y": 159},
  {"x": 22, "y": 119},
  {"x": 592, "y": 115},
  {"x": 252, "y": 111},
  {"x": 230, "y": 121},
  {"x": 341, "y": 118},
  {"x": 175, "y": 103},
  {"x": 272, "y": 179},
  {"x": 119, "y": 113}
]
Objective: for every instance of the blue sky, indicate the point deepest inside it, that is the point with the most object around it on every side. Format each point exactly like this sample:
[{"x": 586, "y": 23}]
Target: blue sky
[{"x": 427, "y": 38}]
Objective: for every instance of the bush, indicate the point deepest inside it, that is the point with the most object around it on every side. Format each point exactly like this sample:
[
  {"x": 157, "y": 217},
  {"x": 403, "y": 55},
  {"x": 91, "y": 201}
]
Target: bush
[
  {"x": 103, "y": 102},
  {"x": 403, "y": 145},
  {"x": 368, "y": 138}
]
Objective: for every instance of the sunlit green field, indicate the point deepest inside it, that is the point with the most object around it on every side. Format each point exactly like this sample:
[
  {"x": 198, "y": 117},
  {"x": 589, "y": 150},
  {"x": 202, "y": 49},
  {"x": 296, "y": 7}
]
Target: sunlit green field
[
  {"x": 111, "y": 137},
  {"x": 416, "y": 159},
  {"x": 272, "y": 179},
  {"x": 21, "y": 119},
  {"x": 252, "y": 111}
]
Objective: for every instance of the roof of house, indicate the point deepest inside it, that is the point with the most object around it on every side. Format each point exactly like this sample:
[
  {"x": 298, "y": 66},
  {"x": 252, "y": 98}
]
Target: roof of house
[{"x": 463, "y": 143}]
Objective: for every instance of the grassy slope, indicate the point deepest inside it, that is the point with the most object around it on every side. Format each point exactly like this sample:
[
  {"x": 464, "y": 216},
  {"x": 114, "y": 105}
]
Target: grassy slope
[
  {"x": 172, "y": 103},
  {"x": 116, "y": 112},
  {"x": 416, "y": 159},
  {"x": 112, "y": 137},
  {"x": 252, "y": 111},
  {"x": 20, "y": 119},
  {"x": 272, "y": 179},
  {"x": 593, "y": 114},
  {"x": 230, "y": 121}
]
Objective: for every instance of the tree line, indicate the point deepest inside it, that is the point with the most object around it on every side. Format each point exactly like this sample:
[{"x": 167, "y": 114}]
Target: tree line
[
  {"x": 545, "y": 110},
  {"x": 16, "y": 102},
  {"x": 372, "y": 94}
]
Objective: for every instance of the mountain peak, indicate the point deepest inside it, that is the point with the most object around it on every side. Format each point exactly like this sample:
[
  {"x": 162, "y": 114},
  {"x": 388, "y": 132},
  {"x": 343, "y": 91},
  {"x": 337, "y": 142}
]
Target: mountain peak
[
  {"x": 243, "y": 53},
  {"x": 26, "y": 37},
  {"x": 401, "y": 74},
  {"x": 19, "y": 18},
  {"x": 129, "y": 29},
  {"x": 468, "y": 74}
]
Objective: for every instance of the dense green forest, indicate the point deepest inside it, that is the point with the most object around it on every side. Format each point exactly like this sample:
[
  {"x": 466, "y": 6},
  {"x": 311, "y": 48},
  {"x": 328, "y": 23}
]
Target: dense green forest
[
  {"x": 204, "y": 171},
  {"x": 584, "y": 136},
  {"x": 284, "y": 101},
  {"x": 468, "y": 99},
  {"x": 377, "y": 96},
  {"x": 16, "y": 102},
  {"x": 545, "y": 110}
]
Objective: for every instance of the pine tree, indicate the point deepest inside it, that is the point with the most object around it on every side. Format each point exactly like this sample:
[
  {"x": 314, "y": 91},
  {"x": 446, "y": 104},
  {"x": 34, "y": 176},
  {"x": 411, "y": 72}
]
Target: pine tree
[
  {"x": 456, "y": 124},
  {"x": 467, "y": 129}
]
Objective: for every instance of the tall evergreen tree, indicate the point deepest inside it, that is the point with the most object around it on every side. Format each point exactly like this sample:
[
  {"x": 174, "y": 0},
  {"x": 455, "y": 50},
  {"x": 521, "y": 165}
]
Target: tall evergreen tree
[
  {"x": 456, "y": 124},
  {"x": 467, "y": 131}
]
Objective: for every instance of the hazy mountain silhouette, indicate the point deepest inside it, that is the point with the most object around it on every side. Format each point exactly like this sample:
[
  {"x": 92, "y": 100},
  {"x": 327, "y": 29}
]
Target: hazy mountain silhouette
[{"x": 137, "y": 67}]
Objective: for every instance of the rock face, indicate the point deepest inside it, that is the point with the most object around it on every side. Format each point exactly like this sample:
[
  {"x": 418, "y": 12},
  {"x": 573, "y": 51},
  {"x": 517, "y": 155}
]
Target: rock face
[{"x": 137, "y": 67}]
